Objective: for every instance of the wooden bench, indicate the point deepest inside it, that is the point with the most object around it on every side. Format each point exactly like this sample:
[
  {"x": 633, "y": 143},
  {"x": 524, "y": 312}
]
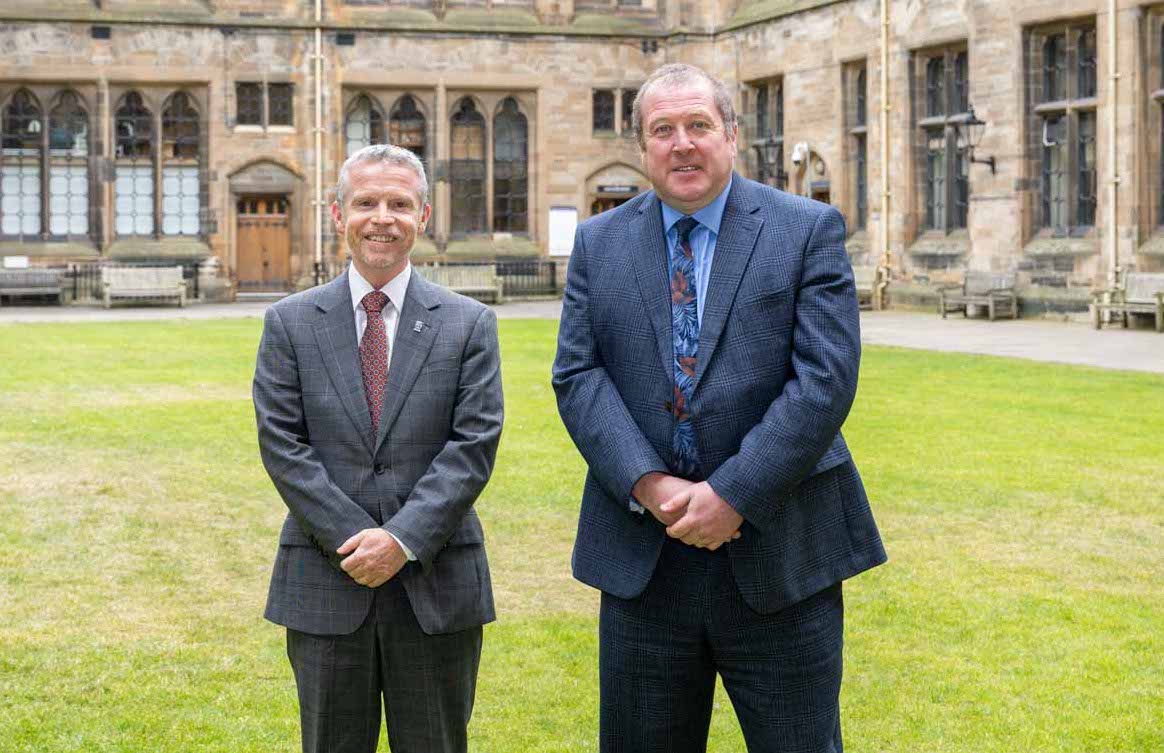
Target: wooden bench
[
  {"x": 478, "y": 281},
  {"x": 994, "y": 290},
  {"x": 31, "y": 282},
  {"x": 866, "y": 279},
  {"x": 1141, "y": 293},
  {"x": 143, "y": 284}
]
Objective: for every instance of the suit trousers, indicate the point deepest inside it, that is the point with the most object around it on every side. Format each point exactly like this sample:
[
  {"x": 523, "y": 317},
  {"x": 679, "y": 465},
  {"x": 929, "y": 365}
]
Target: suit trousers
[
  {"x": 659, "y": 654},
  {"x": 427, "y": 682}
]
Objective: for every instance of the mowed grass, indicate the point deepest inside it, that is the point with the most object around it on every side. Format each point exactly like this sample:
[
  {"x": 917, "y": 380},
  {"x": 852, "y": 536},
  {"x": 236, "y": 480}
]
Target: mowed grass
[{"x": 1022, "y": 505}]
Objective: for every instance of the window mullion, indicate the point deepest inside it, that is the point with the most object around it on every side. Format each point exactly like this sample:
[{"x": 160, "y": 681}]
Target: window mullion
[
  {"x": 951, "y": 179},
  {"x": 45, "y": 180},
  {"x": 157, "y": 161}
]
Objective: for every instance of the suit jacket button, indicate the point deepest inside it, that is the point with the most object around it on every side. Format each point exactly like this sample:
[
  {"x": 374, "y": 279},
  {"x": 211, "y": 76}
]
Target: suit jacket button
[{"x": 379, "y": 469}]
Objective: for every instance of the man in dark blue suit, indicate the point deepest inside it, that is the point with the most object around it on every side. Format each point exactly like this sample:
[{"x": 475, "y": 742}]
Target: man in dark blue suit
[{"x": 707, "y": 357}]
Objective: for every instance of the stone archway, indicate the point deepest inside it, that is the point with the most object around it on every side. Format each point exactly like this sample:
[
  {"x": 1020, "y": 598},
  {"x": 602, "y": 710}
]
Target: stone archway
[{"x": 611, "y": 186}]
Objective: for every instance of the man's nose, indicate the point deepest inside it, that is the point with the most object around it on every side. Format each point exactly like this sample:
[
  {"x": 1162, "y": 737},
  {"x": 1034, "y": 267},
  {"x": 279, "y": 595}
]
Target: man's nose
[
  {"x": 682, "y": 142},
  {"x": 383, "y": 214}
]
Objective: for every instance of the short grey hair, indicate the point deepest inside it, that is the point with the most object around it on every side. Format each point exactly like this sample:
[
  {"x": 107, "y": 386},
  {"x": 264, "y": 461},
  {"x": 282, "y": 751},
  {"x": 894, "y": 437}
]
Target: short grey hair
[
  {"x": 681, "y": 74},
  {"x": 388, "y": 153}
]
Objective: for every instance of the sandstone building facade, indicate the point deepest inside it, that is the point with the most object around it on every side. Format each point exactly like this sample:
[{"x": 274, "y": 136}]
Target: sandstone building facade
[{"x": 197, "y": 129}]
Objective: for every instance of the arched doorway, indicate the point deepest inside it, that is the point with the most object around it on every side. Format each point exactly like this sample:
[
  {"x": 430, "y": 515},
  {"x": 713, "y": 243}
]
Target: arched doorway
[
  {"x": 263, "y": 196},
  {"x": 611, "y": 186}
]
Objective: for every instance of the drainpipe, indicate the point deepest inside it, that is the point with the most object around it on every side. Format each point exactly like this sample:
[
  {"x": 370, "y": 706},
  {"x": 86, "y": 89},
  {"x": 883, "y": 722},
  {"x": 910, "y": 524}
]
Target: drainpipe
[
  {"x": 883, "y": 282},
  {"x": 1113, "y": 190},
  {"x": 317, "y": 203}
]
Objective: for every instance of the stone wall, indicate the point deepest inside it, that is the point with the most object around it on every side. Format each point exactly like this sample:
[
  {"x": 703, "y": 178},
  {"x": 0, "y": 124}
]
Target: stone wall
[{"x": 550, "y": 55}]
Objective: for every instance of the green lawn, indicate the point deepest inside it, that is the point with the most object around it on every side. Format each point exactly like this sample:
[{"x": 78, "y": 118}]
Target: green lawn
[{"x": 1022, "y": 505}]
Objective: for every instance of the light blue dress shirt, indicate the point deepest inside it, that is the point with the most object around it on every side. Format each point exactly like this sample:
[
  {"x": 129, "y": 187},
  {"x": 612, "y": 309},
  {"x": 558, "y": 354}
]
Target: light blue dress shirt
[{"x": 703, "y": 238}]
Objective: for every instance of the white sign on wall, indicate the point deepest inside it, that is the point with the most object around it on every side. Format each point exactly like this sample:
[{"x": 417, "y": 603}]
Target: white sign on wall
[{"x": 563, "y": 222}]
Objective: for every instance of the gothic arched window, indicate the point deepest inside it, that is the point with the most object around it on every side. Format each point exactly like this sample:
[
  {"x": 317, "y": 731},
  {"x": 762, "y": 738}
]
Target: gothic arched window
[
  {"x": 181, "y": 197},
  {"x": 68, "y": 167},
  {"x": 21, "y": 155},
  {"x": 134, "y": 169},
  {"x": 467, "y": 168},
  {"x": 364, "y": 124},
  {"x": 510, "y": 169}
]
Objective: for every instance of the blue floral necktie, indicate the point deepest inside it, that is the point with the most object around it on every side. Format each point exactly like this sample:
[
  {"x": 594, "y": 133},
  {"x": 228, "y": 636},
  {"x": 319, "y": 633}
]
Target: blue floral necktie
[{"x": 685, "y": 332}]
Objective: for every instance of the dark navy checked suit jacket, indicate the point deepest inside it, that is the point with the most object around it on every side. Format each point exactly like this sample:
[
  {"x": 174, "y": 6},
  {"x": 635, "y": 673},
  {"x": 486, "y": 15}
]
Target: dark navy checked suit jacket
[{"x": 779, "y": 349}]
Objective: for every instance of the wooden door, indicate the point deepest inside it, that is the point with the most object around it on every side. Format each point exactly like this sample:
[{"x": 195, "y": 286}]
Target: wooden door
[{"x": 264, "y": 243}]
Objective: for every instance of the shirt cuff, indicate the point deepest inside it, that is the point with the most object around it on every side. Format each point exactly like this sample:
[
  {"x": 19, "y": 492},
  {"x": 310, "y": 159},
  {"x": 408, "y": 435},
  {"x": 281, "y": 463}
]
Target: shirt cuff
[
  {"x": 407, "y": 552},
  {"x": 636, "y": 507}
]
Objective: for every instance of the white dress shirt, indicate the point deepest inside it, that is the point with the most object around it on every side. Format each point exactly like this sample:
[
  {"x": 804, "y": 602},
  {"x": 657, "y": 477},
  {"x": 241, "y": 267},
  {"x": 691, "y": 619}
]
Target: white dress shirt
[{"x": 395, "y": 290}]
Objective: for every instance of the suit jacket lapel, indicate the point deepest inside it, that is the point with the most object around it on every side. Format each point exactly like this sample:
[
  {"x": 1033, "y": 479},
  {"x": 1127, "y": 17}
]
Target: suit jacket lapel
[
  {"x": 648, "y": 249},
  {"x": 415, "y": 332},
  {"x": 733, "y": 248},
  {"x": 335, "y": 334}
]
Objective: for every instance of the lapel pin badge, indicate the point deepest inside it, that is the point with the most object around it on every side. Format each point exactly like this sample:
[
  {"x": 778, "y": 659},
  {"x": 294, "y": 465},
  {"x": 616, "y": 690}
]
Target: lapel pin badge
[{"x": 418, "y": 326}]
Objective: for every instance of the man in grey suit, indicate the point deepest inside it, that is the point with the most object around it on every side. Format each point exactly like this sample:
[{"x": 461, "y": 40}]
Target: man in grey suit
[
  {"x": 707, "y": 357},
  {"x": 379, "y": 408}
]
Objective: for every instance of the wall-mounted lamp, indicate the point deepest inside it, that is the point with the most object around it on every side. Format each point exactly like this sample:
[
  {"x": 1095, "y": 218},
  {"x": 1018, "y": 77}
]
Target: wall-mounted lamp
[
  {"x": 768, "y": 155},
  {"x": 970, "y": 131}
]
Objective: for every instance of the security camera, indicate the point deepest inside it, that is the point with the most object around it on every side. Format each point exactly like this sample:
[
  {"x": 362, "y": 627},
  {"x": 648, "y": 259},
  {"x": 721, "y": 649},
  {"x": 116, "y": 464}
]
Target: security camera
[{"x": 800, "y": 153}]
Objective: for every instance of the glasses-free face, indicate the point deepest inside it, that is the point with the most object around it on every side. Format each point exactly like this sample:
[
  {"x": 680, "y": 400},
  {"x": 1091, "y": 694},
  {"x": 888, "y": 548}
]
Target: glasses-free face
[
  {"x": 687, "y": 151},
  {"x": 380, "y": 219}
]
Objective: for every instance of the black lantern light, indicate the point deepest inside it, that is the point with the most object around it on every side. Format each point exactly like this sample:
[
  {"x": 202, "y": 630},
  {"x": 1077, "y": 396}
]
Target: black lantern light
[{"x": 970, "y": 131}]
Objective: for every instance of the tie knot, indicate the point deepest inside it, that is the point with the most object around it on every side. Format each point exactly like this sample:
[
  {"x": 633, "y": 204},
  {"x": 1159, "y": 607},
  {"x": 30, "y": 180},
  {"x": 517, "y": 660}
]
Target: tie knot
[
  {"x": 684, "y": 227},
  {"x": 374, "y": 302}
]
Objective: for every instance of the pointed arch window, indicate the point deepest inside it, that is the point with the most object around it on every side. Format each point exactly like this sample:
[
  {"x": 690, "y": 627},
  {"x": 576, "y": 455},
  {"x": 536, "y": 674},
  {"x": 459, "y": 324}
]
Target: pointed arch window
[
  {"x": 364, "y": 124},
  {"x": 134, "y": 169},
  {"x": 406, "y": 127},
  {"x": 510, "y": 169},
  {"x": 181, "y": 195},
  {"x": 467, "y": 168},
  {"x": 21, "y": 158},
  {"x": 68, "y": 167}
]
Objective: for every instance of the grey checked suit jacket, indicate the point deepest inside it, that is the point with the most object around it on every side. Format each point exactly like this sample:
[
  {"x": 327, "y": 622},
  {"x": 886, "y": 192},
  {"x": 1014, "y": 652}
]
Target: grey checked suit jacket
[
  {"x": 779, "y": 348},
  {"x": 439, "y": 429}
]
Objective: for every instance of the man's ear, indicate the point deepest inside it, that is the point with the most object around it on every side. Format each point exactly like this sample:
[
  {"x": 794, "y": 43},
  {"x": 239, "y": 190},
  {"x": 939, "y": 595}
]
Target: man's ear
[{"x": 337, "y": 216}]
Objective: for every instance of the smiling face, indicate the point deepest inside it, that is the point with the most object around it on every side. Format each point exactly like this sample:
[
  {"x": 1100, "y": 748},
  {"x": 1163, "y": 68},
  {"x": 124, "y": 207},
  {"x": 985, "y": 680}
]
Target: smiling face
[
  {"x": 381, "y": 217},
  {"x": 687, "y": 151}
]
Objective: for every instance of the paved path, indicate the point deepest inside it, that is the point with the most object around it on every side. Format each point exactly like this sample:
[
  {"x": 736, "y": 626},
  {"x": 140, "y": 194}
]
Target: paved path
[{"x": 1062, "y": 342}]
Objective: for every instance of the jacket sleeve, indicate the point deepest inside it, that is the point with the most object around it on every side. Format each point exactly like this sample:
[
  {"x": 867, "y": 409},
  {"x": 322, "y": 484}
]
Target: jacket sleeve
[
  {"x": 594, "y": 413},
  {"x": 320, "y": 507},
  {"x": 801, "y": 423},
  {"x": 441, "y": 497}
]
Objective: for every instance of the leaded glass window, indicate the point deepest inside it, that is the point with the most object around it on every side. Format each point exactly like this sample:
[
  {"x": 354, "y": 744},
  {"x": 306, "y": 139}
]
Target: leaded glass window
[
  {"x": 134, "y": 168},
  {"x": 944, "y": 173},
  {"x": 280, "y": 110},
  {"x": 22, "y": 139},
  {"x": 935, "y": 179},
  {"x": 364, "y": 125},
  {"x": 467, "y": 168},
  {"x": 1063, "y": 126},
  {"x": 855, "y": 94},
  {"x": 510, "y": 169},
  {"x": 249, "y": 103},
  {"x": 628, "y": 110},
  {"x": 68, "y": 167},
  {"x": 181, "y": 196},
  {"x": 407, "y": 127},
  {"x": 603, "y": 102}
]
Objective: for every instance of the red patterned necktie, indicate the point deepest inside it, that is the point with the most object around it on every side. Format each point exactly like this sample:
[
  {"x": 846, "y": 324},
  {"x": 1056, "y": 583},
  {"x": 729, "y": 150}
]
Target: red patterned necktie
[{"x": 374, "y": 355}]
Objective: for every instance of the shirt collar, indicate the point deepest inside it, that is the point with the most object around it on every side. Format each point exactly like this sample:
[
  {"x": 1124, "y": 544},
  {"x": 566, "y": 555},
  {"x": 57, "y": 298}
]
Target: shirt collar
[
  {"x": 710, "y": 216},
  {"x": 395, "y": 289}
]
